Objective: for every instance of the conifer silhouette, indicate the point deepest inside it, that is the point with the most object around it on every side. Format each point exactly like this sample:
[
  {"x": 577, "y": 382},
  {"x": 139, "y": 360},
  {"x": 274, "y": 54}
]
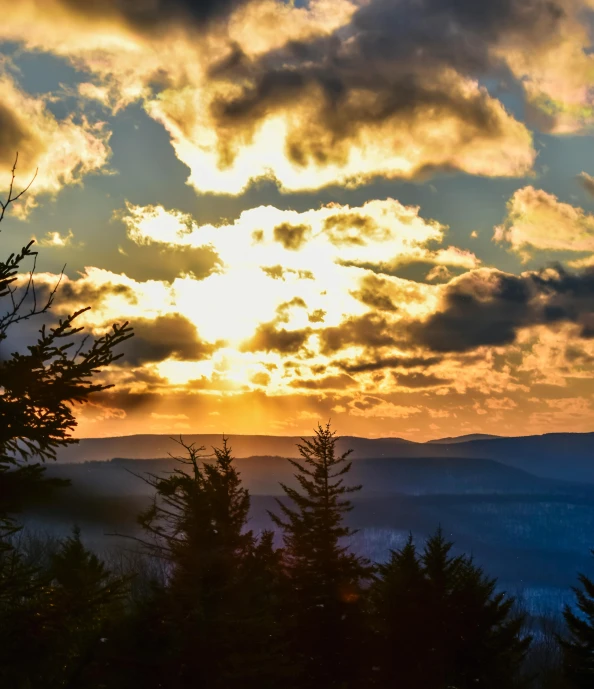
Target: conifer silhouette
[
  {"x": 219, "y": 605},
  {"x": 578, "y": 646},
  {"x": 40, "y": 387},
  {"x": 54, "y": 635},
  {"x": 325, "y": 600},
  {"x": 440, "y": 622}
]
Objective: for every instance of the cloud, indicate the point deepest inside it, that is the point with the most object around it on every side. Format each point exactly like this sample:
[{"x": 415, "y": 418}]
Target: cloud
[
  {"x": 329, "y": 92},
  {"x": 352, "y": 228},
  {"x": 169, "y": 336},
  {"x": 62, "y": 150},
  {"x": 375, "y": 292},
  {"x": 151, "y": 16},
  {"x": 337, "y": 382},
  {"x": 268, "y": 338},
  {"x": 419, "y": 380},
  {"x": 587, "y": 182},
  {"x": 252, "y": 280},
  {"x": 556, "y": 72},
  {"x": 292, "y": 237},
  {"x": 55, "y": 239},
  {"x": 487, "y": 307},
  {"x": 100, "y": 289},
  {"x": 370, "y": 330},
  {"x": 538, "y": 220},
  {"x": 366, "y": 365},
  {"x": 350, "y": 126}
]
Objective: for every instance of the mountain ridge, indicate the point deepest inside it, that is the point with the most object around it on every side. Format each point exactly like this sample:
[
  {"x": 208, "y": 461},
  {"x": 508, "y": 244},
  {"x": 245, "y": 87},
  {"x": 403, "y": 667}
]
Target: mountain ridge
[{"x": 564, "y": 456}]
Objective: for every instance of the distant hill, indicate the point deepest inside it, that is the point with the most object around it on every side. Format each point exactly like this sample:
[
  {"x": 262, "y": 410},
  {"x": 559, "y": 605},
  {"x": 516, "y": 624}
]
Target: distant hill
[
  {"x": 462, "y": 439},
  {"x": 152, "y": 446},
  {"x": 565, "y": 456},
  {"x": 379, "y": 476}
]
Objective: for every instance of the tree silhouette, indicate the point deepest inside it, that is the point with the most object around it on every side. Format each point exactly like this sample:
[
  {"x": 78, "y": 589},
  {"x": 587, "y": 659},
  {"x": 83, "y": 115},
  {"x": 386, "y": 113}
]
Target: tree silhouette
[
  {"x": 53, "y": 634},
  {"x": 578, "y": 647},
  {"x": 439, "y": 622},
  {"x": 39, "y": 388},
  {"x": 324, "y": 607},
  {"x": 218, "y": 611}
]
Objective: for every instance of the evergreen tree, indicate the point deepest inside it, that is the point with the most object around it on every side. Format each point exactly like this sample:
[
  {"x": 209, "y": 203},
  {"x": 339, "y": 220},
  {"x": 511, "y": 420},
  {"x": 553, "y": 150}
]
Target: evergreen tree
[
  {"x": 399, "y": 628},
  {"x": 40, "y": 387},
  {"x": 325, "y": 613},
  {"x": 578, "y": 647},
  {"x": 219, "y": 602},
  {"x": 56, "y": 631},
  {"x": 439, "y": 622}
]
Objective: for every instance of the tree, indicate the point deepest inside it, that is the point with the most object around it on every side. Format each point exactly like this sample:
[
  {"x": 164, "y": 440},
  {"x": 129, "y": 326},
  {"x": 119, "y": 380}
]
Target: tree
[
  {"x": 439, "y": 622},
  {"x": 39, "y": 388},
  {"x": 54, "y": 636},
  {"x": 398, "y": 626},
  {"x": 578, "y": 646},
  {"x": 218, "y": 619},
  {"x": 326, "y": 580}
]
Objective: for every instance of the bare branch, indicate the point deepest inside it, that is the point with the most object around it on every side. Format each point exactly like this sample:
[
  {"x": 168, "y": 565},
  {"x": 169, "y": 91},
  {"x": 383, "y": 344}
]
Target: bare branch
[{"x": 11, "y": 199}]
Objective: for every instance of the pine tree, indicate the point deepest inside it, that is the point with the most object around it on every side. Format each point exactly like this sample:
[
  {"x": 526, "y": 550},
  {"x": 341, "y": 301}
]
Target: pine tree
[
  {"x": 218, "y": 613},
  {"x": 395, "y": 596},
  {"x": 578, "y": 647},
  {"x": 55, "y": 633},
  {"x": 39, "y": 388},
  {"x": 326, "y": 580},
  {"x": 440, "y": 622}
]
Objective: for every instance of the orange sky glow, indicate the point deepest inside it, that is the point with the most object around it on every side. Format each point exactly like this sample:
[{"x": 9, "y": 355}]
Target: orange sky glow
[{"x": 314, "y": 210}]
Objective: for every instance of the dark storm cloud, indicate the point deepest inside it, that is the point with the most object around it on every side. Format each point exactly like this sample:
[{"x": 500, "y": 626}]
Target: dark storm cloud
[
  {"x": 129, "y": 402},
  {"x": 419, "y": 380},
  {"x": 387, "y": 66},
  {"x": 338, "y": 382},
  {"x": 157, "y": 262},
  {"x": 79, "y": 293},
  {"x": 164, "y": 337},
  {"x": 369, "y": 330},
  {"x": 364, "y": 365},
  {"x": 154, "y": 16},
  {"x": 392, "y": 96},
  {"x": 15, "y": 136},
  {"x": 373, "y": 293},
  {"x": 292, "y": 237},
  {"x": 268, "y": 338},
  {"x": 488, "y": 307}
]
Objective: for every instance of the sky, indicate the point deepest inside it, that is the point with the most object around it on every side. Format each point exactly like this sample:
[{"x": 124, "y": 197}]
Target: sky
[{"x": 379, "y": 212}]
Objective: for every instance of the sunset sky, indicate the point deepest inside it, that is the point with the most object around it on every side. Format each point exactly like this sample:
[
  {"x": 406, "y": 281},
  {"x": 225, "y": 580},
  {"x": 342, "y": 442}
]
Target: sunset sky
[{"x": 375, "y": 211}]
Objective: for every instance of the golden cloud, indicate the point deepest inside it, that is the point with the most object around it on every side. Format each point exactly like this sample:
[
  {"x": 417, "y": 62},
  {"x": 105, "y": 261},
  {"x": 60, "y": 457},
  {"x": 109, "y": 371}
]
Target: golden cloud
[
  {"x": 557, "y": 72},
  {"x": 63, "y": 150},
  {"x": 208, "y": 85},
  {"x": 537, "y": 220}
]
